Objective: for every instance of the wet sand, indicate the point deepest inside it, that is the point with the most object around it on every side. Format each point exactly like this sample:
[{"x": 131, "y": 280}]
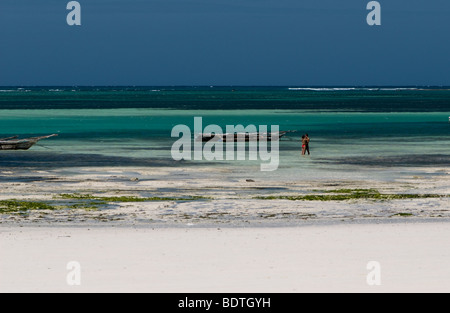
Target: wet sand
[{"x": 226, "y": 198}]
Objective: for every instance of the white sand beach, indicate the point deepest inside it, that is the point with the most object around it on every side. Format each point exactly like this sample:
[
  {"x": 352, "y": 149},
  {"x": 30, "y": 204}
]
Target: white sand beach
[
  {"x": 229, "y": 241},
  {"x": 413, "y": 257}
]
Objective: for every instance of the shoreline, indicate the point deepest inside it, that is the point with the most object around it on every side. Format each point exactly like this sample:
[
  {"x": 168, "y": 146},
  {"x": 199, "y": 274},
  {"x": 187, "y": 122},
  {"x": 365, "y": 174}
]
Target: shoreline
[
  {"x": 190, "y": 226},
  {"x": 183, "y": 227}
]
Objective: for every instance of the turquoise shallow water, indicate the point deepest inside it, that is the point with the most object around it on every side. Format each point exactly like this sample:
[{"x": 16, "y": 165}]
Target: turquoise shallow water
[{"x": 349, "y": 129}]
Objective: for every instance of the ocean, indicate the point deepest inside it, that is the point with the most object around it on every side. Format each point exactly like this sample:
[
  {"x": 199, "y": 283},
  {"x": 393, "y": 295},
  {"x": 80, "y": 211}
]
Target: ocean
[{"x": 355, "y": 130}]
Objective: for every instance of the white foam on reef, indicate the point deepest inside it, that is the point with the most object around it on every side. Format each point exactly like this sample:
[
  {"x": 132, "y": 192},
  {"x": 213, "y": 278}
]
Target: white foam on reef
[
  {"x": 348, "y": 89},
  {"x": 323, "y": 89}
]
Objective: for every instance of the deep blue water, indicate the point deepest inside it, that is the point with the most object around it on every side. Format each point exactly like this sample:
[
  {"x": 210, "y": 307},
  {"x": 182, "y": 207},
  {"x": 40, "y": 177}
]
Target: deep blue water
[{"x": 363, "y": 99}]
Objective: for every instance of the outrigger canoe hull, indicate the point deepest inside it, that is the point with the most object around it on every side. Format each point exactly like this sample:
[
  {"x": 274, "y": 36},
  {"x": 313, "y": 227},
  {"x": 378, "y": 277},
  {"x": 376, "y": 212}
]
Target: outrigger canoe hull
[
  {"x": 242, "y": 137},
  {"x": 20, "y": 144}
]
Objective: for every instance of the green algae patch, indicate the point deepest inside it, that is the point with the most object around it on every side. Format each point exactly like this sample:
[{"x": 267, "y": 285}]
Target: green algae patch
[
  {"x": 402, "y": 215},
  {"x": 352, "y": 194},
  {"x": 16, "y": 206},
  {"x": 351, "y": 191}
]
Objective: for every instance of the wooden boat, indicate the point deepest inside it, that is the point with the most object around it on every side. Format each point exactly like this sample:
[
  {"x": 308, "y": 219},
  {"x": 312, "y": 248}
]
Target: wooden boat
[
  {"x": 242, "y": 137},
  {"x": 12, "y": 143},
  {"x": 9, "y": 138}
]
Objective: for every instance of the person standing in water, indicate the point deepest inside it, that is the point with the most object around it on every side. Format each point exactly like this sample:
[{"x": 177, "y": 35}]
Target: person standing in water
[
  {"x": 307, "y": 144},
  {"x": 303, "y": 144}
]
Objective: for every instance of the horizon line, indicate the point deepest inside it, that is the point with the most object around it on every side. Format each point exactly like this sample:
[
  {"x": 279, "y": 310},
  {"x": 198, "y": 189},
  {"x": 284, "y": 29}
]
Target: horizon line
[{"x": 253, "y": 86}]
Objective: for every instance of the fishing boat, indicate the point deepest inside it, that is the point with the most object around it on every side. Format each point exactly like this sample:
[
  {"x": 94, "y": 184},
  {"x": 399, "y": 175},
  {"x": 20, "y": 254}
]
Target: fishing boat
[
  {"x": 12, "y": 143},
  {"x": 242, "y": 137}
]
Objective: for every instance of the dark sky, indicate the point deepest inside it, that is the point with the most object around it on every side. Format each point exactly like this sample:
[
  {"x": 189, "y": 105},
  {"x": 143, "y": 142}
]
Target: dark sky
[{"x": 224, "y": 42}]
